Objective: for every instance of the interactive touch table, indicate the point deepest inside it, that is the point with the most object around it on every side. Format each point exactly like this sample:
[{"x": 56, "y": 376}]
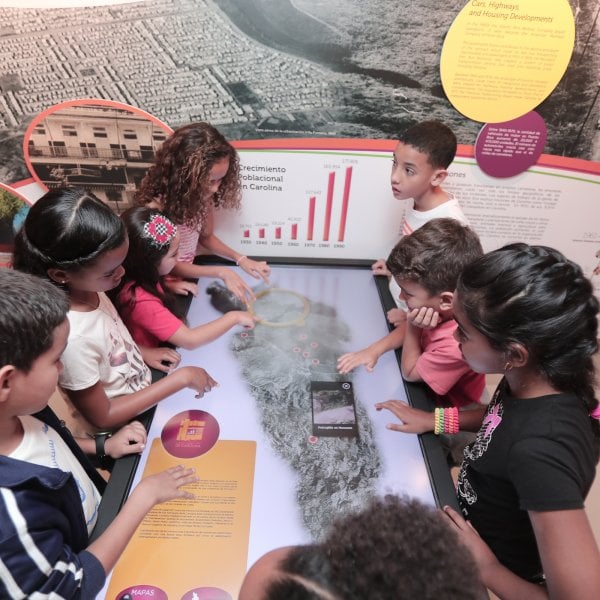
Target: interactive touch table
[{"x": 283, "y": 445}]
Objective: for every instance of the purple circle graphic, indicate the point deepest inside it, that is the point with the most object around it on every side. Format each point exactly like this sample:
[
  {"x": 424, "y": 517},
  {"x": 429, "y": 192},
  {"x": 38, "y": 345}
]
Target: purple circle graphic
[
  {"x": 207, "y": 593},
  {"x": 509, "y": 148},
  {"x": 139, "y": 592},
  {"x": 190, "y": 433}
]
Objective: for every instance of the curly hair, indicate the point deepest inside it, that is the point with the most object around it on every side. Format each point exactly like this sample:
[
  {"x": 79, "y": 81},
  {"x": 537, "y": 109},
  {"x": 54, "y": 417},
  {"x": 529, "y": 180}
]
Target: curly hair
[
  {"x": 395, "y": 548},
  {"x": 67, "y": 228},
  {"x": 534, "y": 296},
  {"x": 435, "y": 254},
  {"x": 178, "y": 179},
  {"x": 434, "y": 139},
  {"x": 31, "y": 309}
]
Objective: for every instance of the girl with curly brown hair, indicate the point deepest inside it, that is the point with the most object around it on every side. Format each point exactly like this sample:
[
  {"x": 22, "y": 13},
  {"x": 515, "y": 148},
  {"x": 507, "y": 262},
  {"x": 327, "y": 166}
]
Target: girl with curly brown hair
[{"x": 197, "y": 170}]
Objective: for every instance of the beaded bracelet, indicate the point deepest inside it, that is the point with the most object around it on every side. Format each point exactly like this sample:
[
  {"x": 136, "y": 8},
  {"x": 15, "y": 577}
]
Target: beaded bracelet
[{"x": 239, "y": 260}]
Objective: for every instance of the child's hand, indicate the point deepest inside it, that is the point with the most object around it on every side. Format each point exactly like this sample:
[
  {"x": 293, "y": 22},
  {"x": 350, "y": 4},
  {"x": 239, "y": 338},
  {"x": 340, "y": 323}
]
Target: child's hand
[
  {"x": 396, "y": 316},
  {"x": 180, "y": 286},
  {"x": 349, "y": 361},
  {"x": 161, "y": 358},
  {"x": 258, "y": 269},
  {"x": 166, "y": 485},
  {"x": 199, "y": 380},
  {"x": 130, "y": 439},
  {"x": 424, "y": 317},
  {"x": 183, "y": 287},
  {"x": 379, "y": 268},
  {"x": 413, "y": 419},
  {"x": 245, "y": 319},
  {"x": 468, "y": 535},
  {"x": 237, "y": 285}
]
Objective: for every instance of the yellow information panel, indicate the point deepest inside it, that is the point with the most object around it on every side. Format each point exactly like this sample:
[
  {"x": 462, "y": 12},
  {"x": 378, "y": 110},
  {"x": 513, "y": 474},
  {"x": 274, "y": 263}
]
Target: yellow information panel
[
  {"x": 500, "y": 59},
  {"x": 186, "y": 548}
]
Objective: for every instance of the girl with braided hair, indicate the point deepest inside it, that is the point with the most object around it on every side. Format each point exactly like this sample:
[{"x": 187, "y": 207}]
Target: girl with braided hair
[
  {"x": 529, "y": 313},
  {"x": 197, "y": 170}
]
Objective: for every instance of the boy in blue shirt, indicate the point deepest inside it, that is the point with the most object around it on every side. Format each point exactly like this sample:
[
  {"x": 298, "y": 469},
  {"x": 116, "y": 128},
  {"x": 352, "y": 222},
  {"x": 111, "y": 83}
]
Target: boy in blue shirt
[{"x": 49, "y": 491}]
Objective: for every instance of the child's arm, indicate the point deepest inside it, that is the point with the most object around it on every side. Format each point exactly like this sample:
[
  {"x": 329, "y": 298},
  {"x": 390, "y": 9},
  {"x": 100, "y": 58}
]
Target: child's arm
[
  {"x": 229, "y": 277},
  {"x": 417, "y": 319},
  {"x": 208, "y": 239},
  {"x": 152, "y": 490},
  {"x": 103, "y": 413},
  {"x": 161, "y": 358},
  {"x": 203, "y": 334},
  {"x": 130, "y": 439},
  {"x": 414, "y": 420},
  {"x": 567, "y": 548},
  {"x": 380, "y": 268},
  {"x": 370, "y": 355}
]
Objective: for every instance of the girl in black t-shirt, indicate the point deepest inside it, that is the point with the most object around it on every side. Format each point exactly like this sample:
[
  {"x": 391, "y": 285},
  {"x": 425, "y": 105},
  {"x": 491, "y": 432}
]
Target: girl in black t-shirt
[{"x": 529, "y": 313}]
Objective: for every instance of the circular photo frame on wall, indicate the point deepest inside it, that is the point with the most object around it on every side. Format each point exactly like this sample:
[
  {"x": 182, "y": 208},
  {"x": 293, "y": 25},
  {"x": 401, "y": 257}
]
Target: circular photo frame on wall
[{"x": 103, "y": 146}]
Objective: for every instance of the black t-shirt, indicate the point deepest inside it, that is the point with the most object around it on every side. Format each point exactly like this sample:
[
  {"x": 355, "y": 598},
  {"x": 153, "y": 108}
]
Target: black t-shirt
[{"x": 536, "y": 454}]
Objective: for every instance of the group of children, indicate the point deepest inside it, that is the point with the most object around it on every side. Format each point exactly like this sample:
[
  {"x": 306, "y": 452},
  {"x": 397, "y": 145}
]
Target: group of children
[{"x": 523, "y": 311}]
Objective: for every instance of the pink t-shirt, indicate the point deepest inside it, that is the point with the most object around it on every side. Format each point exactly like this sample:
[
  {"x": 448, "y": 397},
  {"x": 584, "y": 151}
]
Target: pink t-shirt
[
  {"x": 444, "y": 370},
  {"x": 149, "y": 321}
]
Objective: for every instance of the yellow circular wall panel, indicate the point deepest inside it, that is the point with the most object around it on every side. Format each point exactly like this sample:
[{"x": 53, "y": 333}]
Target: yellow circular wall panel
[{"x": 501, "y": 58}]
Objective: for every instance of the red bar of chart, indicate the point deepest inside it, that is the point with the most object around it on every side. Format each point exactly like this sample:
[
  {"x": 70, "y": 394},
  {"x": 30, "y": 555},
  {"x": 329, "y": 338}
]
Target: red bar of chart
[
  {"x": 246, "y": 233},
  {"x": 295, "y": 231},
  {"x": 345, "y": 201},
  {"x": 329, "y": 208},
  {"x": 311, "y": 217},
  {"x": 277, "y": 233},
  {"x": 261, "y": 233}
]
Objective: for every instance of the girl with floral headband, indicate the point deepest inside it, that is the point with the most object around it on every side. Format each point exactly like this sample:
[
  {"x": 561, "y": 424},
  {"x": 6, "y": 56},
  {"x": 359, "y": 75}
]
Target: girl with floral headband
[
  {"x": 197, "y": 170},
  {"x": 146, "y": 307}
]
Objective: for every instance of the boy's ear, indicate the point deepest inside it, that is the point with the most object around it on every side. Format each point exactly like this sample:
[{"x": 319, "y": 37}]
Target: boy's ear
[
  {"x": 6, "y": 375},
  {"x": 58, "y": 275},
  {"x": 439, "y": 176},
  {"x": 446, "y": 300}
]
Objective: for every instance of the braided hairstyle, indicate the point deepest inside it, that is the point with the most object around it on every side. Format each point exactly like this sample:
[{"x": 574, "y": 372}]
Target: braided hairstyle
[
  {"x": 179, "y": 176},
  {"x": 68, "y": 229},
  {"x": 534, "y": 296}
]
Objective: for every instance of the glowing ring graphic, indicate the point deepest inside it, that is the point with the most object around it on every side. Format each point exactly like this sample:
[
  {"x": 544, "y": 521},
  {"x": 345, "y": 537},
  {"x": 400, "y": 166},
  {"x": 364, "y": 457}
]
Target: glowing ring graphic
[{"x": 298, "y": 321}]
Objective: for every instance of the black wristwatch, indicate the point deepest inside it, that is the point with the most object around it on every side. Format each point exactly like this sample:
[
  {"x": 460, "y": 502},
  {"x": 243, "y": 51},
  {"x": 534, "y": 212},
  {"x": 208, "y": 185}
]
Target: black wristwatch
[{"x": 103, "y": 459}]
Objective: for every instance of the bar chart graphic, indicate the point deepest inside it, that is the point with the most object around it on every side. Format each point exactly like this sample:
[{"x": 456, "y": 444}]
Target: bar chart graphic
[{"x": 320, "y": 206}]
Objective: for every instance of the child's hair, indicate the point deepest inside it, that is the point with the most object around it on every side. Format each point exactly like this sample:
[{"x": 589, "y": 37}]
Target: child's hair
[
  {"x": 534, "y": 296},
  {"x": 180, "y": 173},
  {"x": 150, "y": 234},
  {"x": 30, "y": 310},
  {"x": 393, "y": 549},
  {"x": 434, "y": 139},
  {"x": 67, "y": 228},
  {"x": 435, "y": 254}
]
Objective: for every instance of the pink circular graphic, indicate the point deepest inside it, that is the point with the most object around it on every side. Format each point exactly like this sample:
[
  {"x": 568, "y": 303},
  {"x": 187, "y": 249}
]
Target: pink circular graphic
[
  {"x": 314, "y": 344},
  {"x": 190, "y": 433},
  {"x": 303, "y": 336},
  {"x": 306, "y": 354},
  {"x": 316, "y": 361},
  {"x": 243, "y": 334},
  {"x": 139, "y": 592},
  {"x": 313, "y": 439},
  {"x": 206, "y": 593},
  {"x": 509, "y": 148},
  {"x": 296, "y": 349}
]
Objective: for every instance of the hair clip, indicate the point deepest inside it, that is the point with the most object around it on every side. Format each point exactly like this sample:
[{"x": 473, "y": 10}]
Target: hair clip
[{"x": 160, "y": 230}]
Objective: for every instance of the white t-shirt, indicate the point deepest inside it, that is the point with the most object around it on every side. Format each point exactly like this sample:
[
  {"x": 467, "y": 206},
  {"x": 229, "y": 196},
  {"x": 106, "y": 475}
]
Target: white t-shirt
[
  {"x": 100, "y": 348},
  {"x": 413, "y": 219},
  {"x": 42, "y": 445}
]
